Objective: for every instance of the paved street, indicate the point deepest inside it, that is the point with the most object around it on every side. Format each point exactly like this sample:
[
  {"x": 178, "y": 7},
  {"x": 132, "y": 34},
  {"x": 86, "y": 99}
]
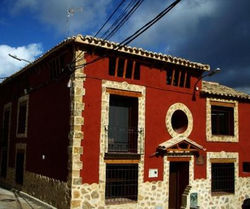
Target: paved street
[{"x": 13, "y": 200}]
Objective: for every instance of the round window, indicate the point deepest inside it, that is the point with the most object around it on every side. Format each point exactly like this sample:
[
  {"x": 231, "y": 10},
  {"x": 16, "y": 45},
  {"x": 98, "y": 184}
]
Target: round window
[{"x": 179, "y": 120}]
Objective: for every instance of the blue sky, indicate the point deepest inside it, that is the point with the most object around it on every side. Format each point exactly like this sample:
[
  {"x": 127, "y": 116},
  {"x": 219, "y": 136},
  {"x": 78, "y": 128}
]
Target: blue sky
[{"x": 208, "y": 31}]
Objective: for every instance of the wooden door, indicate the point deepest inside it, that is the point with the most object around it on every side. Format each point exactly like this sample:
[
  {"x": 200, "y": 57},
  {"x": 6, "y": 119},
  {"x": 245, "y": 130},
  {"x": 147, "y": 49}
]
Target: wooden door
[{"x": 178, "y": 181}]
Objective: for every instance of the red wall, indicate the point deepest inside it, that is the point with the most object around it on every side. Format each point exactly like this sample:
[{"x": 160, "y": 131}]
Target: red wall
[
  {"x": 159, "y": 97},
  {"x": 48, "y": 120}
]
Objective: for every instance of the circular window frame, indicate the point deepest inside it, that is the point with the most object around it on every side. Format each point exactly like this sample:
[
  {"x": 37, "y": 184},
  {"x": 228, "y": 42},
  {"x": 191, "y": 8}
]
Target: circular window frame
[{"x": 169, "y": 115}]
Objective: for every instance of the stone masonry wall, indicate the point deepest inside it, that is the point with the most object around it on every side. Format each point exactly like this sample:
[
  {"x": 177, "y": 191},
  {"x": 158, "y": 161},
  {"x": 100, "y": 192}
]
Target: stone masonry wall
[
  {"x": 49, "y": 190},
  {"x": 229, "y": 201}
]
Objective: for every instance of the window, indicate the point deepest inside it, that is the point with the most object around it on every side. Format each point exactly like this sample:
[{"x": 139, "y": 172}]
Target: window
[
  {"x": 121, "y": 183},
  {"x": 56, "y": 66},
  {"x": 246, "y": 166},
  {"x": 223, "y": 177},
  {"x": 124, "y": 68},
  {"x": 222, "y": 120},
  {"x": 22, "y": 117},
  {"x": 178, "y": 77},
  {"x": 123, "y": 124},
  {"x": 5, "y": 140}
]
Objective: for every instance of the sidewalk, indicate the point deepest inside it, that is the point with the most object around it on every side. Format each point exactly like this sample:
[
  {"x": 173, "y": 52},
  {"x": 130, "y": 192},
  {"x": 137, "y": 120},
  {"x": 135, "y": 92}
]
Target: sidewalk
[{"x": 16, "y": 200}]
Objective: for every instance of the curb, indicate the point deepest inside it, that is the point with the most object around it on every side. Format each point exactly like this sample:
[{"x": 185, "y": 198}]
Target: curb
[{"x": 34, "y": 199}]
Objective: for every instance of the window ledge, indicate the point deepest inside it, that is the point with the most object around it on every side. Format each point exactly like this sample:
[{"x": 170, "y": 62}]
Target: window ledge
[
  {"x": 221, "y": 193},
  {"x": 118, "y": 201},
  {"x": 122, "y": 156}
]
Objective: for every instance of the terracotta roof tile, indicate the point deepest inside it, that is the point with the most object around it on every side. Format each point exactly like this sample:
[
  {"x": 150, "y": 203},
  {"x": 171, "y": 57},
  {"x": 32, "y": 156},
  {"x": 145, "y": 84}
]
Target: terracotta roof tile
[
  {"x": 89, "y": 40},
  {"x": 213, "y": 88}
]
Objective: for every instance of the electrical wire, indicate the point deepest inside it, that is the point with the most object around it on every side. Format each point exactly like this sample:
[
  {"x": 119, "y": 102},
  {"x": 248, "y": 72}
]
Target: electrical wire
[
  {"x": 123, "y": 20},
  {"x": 109, "y": 18},
  {"x": 148, "y": 25},
  {"x": 137, "y": 33}
]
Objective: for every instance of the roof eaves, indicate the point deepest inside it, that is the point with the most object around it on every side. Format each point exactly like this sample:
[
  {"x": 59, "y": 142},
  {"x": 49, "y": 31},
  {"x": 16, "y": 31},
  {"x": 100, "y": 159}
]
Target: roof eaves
[{"x": 89, "y": 40}]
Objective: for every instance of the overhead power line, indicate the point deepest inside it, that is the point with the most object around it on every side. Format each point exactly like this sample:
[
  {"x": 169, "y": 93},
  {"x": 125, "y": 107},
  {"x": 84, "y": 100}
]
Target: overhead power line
[
  {"x": 148, "y": 25},
  {"x": 122, "y": 19},
  {"x": 137, "y": 33},
  {"x": 109, "y": 18}
]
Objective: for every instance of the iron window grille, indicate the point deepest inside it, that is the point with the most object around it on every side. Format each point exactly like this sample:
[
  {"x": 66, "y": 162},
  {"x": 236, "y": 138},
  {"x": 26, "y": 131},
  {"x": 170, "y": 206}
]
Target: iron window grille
[
  {"x": 121, "y": 183},
  {"x": 122, "y": 139},
  {"x": 223, "y": 177}
]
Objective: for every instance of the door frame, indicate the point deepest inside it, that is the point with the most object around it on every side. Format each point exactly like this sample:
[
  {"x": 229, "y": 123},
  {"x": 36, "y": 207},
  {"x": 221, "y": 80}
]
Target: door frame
[{"x": 178, "y": 158}]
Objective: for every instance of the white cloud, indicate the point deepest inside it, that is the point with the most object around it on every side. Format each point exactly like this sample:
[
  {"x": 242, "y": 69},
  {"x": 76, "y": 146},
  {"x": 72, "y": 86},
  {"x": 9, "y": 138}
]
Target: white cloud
[{"x": 9, "y": 65}]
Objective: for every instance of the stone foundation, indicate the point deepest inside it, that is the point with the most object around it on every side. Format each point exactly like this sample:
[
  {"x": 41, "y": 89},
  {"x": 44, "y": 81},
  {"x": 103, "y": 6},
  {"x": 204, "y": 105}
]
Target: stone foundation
[{"x": 51, "y": 191}]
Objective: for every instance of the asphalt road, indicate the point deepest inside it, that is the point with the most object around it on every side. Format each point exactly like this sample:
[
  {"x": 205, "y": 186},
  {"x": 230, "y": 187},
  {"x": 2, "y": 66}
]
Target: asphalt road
[{"x": 13, "y": 200}]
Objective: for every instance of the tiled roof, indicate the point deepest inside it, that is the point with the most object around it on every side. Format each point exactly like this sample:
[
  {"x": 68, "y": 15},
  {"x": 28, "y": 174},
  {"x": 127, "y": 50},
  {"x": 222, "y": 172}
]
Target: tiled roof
[
  {"x": 92, "y": 41},
  {"x": 176, "y": 140},
  {"x": 141, "y": 52},
  {"x": 217, "y": 89}
]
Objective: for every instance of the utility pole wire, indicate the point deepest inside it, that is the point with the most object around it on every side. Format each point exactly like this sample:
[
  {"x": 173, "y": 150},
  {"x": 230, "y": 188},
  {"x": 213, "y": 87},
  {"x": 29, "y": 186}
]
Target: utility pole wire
[
  {"x": 124, "y": 19},
  {"x": 148, "y": 25},
  {"x": 137, "y": 33},
  {"x": 109, "y": 18}
]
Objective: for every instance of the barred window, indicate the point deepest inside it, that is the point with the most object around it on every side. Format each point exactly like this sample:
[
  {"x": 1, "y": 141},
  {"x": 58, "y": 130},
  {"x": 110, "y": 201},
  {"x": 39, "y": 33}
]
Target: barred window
[
  {"x": 121, "y": 183},
  {"x": 223, "y": 177}
]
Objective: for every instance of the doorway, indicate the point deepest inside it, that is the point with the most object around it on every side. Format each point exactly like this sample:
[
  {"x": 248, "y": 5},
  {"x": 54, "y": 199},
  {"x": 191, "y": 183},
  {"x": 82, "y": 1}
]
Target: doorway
[
  {"x": 19, "y": 166},
  {"x": 178, "y": 181}
]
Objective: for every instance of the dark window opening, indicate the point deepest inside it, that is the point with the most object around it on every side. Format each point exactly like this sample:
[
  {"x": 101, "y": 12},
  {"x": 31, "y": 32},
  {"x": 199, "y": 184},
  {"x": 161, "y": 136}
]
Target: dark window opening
[
  {"x": 188, "y": 80},
  {"x": 246, "y": 166},
  {"x": 179, "y": 121},
  {"x": 22, "y": 117},
  {"x": 19, "y": 167},
  {"x": 121, "y": 182},
  {"x": 112, "y": 62},
  {"x": 223, "y": 177},
  {"x": 123, "y": 124},
  {"x": 57, "y": 66},
  {"x": 129, "y": 69},
  {"x": 222, "y": 120},
  {"x": 182, "y": 79},
  {"x": 124, "y": 68},
  {"x": 169, "y": 76},
  {"x": 4, "y": 143},
  {"x": 176, "y": 78},
  {"x": 137, "y": 71},
  {"x": 120, "y": 67}
]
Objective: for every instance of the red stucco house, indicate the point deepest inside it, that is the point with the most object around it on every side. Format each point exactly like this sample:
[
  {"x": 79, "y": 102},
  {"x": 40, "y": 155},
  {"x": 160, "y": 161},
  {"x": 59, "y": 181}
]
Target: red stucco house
[{"x": 91, "y": 124}]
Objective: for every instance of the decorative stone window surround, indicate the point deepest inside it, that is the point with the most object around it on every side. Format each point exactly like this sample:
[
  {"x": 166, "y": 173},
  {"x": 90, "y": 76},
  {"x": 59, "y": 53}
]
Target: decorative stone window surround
[
  {"x": 170, "y": 112},
  {"x": 20, "y": 100},
  {"x": 221, "y": 138},
  {"x": 104, "y": 134},
  {"x": 223, "y": 155},
  {"x": 6, "y": 107}
]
